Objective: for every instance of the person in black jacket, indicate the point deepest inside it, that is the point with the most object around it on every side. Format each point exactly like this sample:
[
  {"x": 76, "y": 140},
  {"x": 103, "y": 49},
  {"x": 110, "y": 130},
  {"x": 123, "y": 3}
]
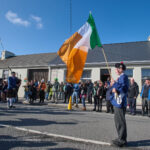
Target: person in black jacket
[
  {"x": 100, "y": 93},
  {"x": 133, "y": 92},
  {"x": 83, "y": 95},
  {"x": 95, "y": 87},
  {"x": 32, "y": 92},
  {"x": 89, "y": 91}
]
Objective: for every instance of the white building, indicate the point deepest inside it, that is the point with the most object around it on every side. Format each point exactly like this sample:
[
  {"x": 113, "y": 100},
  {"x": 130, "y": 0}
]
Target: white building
[{"x": 136, "y": 56}]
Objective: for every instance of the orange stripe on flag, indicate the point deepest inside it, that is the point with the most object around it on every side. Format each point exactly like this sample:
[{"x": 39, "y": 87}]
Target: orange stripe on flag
[
  {"x": 75, "y": 65},
  {"x": 66, "y": 48}
]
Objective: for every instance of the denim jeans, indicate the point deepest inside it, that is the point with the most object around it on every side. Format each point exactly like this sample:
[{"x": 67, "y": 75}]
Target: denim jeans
[
  {"x": 26, "y": 95},
  {"x": 10, "y": 102},
  {"x": 46, "y": 95},
  {"x": 61, "y": 95},
  {"x": 83, "y": 101},
  {"x": 75, "y": 95}
]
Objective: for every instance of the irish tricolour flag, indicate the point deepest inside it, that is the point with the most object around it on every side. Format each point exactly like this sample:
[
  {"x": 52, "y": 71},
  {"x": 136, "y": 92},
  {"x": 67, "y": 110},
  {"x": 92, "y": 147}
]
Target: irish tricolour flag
[{"x": 74, "y": 50}]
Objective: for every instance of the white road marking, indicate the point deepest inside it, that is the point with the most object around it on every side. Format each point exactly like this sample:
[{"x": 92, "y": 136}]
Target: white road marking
[{"x": 58, "y": 135}]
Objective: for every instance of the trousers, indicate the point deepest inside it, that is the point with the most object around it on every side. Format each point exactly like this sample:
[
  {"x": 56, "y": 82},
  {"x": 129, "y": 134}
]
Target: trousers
[{"x": 120, "y": 123}]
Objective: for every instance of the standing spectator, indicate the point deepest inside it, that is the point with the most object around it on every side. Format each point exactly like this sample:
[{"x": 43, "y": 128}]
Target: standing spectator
[
  {"x": 83, "y": 95},
  {"x": 26, "y": 91},
  {"x": 61, "y": 91},
  {"x": 89, "y": 91},
  {"x": 145, "y": 94},
  {"x": 36, "y": 83},
  {"x": 42, "y": 88},
  {"x": 32, "y": 92},
  {"x": 47, "y": 90},
  {"x": 109, "y": 106},
  {"x": 51, "y": 91},
  {"x": 79, "y": 93},
  {"x": 56, "y": 90},
  {"x": 95, "y": 87},
  {"x": 133, "y": 92},
  {"x": 4, "y": 90},
  {"x": 65, "y": 92},
  {"x": 100, "y": 93},
  {"x": 18, "y": 83},
  {"x": 75, "y": 94},
  {"x": 106, "y": 86},
  {"x": 1, "y": 88},
  {"x": 69, "y": 90},
  {"x": 12, "y": 90}
]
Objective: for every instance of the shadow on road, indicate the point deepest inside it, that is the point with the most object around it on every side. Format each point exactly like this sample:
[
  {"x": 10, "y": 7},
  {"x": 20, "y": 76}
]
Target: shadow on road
[
  {"x": 139, "y": 143},
  {"x": 34, "y": 122},
  {"x": 32, "y": 110},
  {"x": 9, "y": 142}
]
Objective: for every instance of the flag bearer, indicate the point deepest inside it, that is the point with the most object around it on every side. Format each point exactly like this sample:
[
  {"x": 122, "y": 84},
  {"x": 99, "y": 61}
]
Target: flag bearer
[{"x": 118, "y": 99}]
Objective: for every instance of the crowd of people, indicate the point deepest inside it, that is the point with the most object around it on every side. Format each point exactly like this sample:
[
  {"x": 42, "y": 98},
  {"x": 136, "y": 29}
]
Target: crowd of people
[{"x": 97, "y": 92}]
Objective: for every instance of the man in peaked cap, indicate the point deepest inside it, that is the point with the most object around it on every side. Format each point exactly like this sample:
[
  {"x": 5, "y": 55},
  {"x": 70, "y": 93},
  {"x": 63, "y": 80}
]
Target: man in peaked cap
[{"x": 118, "y": 99}]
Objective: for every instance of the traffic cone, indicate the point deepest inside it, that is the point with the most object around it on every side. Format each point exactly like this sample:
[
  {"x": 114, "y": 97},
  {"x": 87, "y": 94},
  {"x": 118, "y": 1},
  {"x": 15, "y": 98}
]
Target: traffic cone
[{"x": 70, "y": 104}]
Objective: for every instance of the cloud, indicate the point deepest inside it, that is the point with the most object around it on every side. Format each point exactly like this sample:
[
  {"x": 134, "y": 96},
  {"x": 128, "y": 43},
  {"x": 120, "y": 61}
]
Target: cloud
[
  {"x": 38, "y": 21},
  {"x": 13, "y": 18}
]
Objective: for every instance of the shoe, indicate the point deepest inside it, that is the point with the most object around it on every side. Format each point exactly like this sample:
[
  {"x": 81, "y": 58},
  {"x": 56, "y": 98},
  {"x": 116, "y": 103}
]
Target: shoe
[
  {"x": 9, "y": 107},
  {"x": 117, "y": 143},
  {"x": 76, "y": 106},
  {"x": 13, "y": 107},
  {"x": 94, "y": 109},
  {"x": 84, "y": 108},
  {"x": 115, "y": 140}
]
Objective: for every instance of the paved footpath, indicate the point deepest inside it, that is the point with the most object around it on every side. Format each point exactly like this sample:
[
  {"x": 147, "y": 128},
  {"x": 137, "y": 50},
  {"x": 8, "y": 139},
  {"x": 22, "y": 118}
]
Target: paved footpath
[{"x": 89, "y": 125}]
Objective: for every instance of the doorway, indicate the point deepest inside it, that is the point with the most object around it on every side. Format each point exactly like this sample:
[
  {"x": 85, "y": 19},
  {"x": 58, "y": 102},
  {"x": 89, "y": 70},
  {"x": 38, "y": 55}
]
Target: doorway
[{"x": 104, "y": 74}]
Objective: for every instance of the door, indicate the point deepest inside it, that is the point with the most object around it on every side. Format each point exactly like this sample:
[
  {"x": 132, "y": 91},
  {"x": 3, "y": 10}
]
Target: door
[
  {"x": 38, "y": 74},
  {"x": 104, "y": 75}
]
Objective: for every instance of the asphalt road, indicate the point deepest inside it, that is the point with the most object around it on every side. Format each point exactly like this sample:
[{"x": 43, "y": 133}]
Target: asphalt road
[{"x": 58, "y": 120}]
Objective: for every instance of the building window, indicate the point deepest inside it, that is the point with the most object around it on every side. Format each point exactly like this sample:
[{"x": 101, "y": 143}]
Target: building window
[
  {"x": 5, "y": 74},
  {"x": 86, "y": 75},
  {"x": 129, "y": 73},
  {"x": 145, "y": 74}
]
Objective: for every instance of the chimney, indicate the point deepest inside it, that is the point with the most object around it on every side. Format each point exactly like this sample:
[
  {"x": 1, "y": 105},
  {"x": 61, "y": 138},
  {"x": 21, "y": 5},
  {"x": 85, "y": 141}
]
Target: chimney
[
  {"x": 6, "y": 54},
  {"x": 148, "y": 38}
]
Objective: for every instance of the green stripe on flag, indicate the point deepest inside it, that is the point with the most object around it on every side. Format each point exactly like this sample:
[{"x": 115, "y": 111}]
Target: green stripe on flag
[{"x": 94, "y": 39}]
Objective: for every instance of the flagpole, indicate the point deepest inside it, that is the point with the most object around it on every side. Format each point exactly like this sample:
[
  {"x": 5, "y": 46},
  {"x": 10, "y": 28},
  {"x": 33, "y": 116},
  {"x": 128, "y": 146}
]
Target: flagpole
[{"x": 105, "y": 57}]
